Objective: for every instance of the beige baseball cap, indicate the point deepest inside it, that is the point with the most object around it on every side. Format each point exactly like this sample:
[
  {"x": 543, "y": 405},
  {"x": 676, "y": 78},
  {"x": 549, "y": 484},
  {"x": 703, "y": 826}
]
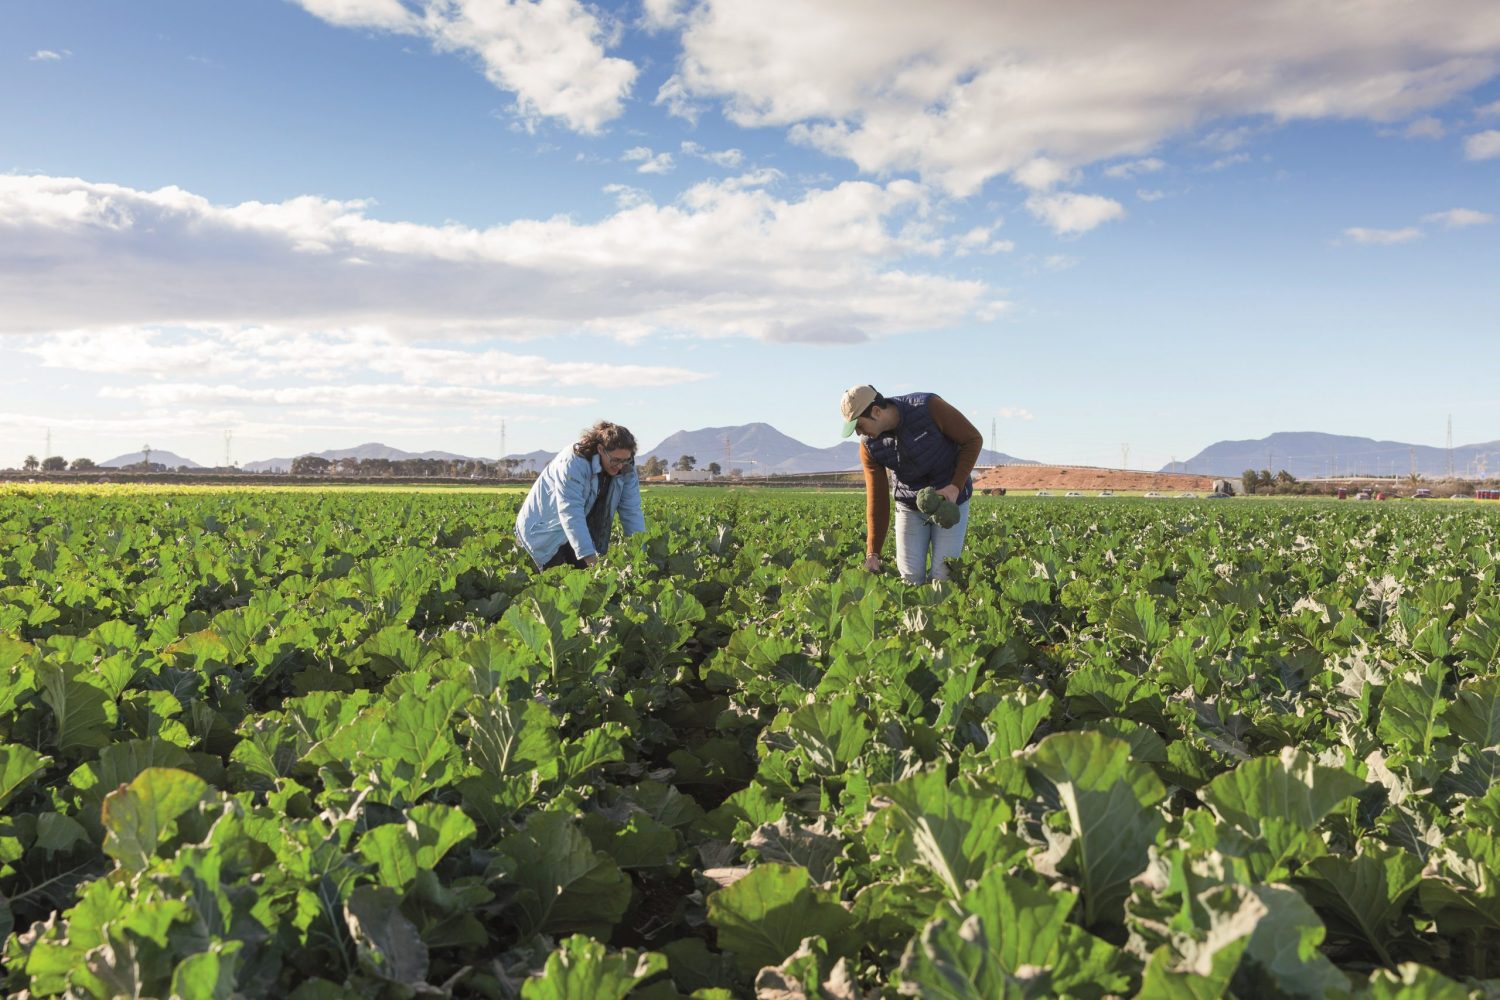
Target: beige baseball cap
[{"x": 856, "y": 400}]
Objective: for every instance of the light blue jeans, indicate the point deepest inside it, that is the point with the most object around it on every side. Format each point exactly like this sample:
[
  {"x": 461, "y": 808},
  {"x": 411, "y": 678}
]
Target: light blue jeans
[{"x": 916, "y": 536}]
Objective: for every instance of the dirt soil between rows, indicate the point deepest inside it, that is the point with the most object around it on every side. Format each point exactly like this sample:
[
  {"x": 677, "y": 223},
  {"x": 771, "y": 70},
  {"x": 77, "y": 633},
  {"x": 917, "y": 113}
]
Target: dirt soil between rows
[{"x": 1079, "y": 477}]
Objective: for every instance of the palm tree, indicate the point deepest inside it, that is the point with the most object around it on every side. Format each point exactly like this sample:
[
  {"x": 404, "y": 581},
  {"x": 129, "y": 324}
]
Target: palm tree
[{"x": 30, "y": 465}]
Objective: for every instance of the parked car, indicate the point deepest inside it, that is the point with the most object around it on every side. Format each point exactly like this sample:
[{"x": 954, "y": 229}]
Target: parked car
[
  {"x": 1073, "y": 493},
  {"x": 1153, "y": 493},
  {"x": 1105, "y": 493},
  {"x": 1422, "y": 494},
  {"x": 1186, "y": 496},
  {"x": 1043, "y": 493}
]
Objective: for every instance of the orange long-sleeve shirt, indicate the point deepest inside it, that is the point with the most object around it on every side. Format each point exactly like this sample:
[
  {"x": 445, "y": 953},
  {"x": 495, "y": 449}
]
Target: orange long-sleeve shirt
[{"x": 955, "y": 427}]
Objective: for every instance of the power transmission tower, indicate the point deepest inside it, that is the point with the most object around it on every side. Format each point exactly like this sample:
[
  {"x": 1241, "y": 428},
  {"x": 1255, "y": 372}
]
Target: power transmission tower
[
  {"x": 227, "y": 436},
  {"x": 500, "y": 462},
  {"x": 1449, "y": 446},
  {"x": 994, "y": 437},
  {"x": 1414, "y": 463},
  {"x": 47, "y": 451},
  {"x": 728, "y": 454},
  {"x": 1124, "y": 456},
  {"x": 146, "y": 456}
]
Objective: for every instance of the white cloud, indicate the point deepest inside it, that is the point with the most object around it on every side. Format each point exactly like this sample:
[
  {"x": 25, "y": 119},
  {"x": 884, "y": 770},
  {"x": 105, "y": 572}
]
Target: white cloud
[
  {"x": 679, "y": 103},
  {"x": 720, "y": 157},
  {"x": 1016, "y": 82},
  {"x": 335, "y": 398},
  {"x": 1016, "y": 413},
  {"x": 1134, "y": 168},
  {"x": 728, "y": 258},
  {"x": 1459, "y": 218},
  {"x": 1042, "y": 173},
  {"x": 981, "y": 239},
  {"x": 1149, "y": 195},
  {"x": 662, "y": 15},
  {"x": 1383, "y": 237},
  {"x": 1069, "y": 212},
  {"x": 1482, "y": 145},
  {"x": 650, "y": 162},
  {"x": 1426, "y": 128},
  {"x": 49, "y": 55},
  {"x": 1491, "y": 110},
  {"x": 550, "y": 54},
  {"x": 1232, "y": 160}
]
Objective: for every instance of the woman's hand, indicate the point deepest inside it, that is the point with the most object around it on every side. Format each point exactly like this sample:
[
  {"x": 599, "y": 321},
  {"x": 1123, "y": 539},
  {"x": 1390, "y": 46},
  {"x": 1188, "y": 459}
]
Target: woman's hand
[
  {"x": 950, "y": 491},
  {"x": 872, "y": 563}
]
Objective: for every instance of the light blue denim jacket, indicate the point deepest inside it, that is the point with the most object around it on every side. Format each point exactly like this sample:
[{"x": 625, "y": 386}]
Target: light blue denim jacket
[{"x": 557, "y": 508}]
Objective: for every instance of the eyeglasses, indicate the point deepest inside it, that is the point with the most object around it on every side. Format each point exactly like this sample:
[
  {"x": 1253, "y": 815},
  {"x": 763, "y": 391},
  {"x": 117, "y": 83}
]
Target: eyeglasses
[{"x": 617, "y": 460}]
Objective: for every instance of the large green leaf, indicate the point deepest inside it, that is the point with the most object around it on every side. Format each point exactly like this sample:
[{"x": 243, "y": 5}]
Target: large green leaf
[
  {"x": 953, "y": 829},
  {"x": 566, "y": 885},
  {"x": 1474, "y": 715},
  {"x": 18, "y": 765},
  {"x": 830, "y": 734},
  {"x": 763, "y": 917},
  {"x": 387, "y": 943},
  {"x": 1410, "y": 981},
  {"x": 400, "y": 850},
  {"x": 139, "y": 816},
  {"x": 1284, "y": 955},
  {"x": 508, "y": 738},
  {"x": 956, "y": 961},
  {"x": 1111, "y": 802},
  {"x": 83, "y": 712},
  {"x": 1363, "y": 897},
  {"x": 1276, "y": 802},
  {"x": 1411, "y": 710},
  {"x": 581, "y": 967}
]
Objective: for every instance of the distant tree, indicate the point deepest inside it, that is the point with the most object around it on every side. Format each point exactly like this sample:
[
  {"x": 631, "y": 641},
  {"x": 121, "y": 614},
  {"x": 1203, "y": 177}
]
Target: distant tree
[
  {"x": 1264, "y": 478},
  {"x": 736, "y": 473},
  {"x": 82, "y": 465},
  {"x": 685, "y": 463},
  {"x": 653, "y": 466},
  {"x": 54, "y": 463},
  {"x": 30, "y": 465},
  {"x": 1250, "y": 480},
  {"x": 310, "y": 465},
  {"x": 1285, "y": 478},
  {"x": 713, "y": 468}
]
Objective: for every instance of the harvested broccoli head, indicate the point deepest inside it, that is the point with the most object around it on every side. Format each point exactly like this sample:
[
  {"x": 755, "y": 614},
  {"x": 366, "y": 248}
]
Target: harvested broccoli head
[{"x": 944, "y": 512}]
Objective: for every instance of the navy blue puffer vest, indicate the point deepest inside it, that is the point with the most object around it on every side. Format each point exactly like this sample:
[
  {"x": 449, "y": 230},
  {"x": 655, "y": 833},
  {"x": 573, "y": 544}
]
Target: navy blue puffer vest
[{"x": 916, "y": 451}]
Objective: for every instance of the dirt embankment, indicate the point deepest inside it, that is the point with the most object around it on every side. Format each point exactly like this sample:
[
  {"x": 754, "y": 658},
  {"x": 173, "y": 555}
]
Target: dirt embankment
[{"x": 1081, "y": 478}]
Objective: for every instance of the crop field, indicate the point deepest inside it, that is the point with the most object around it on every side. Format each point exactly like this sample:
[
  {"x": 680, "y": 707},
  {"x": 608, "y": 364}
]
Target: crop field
[{"x": 319, "y": 744}]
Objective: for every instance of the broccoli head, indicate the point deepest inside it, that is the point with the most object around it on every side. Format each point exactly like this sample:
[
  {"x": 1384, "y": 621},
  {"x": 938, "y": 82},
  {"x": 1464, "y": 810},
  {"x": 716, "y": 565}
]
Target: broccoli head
[{"x": 944, "y": 512}]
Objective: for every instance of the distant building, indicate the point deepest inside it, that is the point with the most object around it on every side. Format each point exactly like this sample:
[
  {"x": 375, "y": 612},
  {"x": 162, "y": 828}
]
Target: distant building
[{"x": 689, "y": 476}]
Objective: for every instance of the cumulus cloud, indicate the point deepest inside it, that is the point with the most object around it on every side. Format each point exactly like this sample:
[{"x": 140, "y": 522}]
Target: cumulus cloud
[
  {"x": 1019, "y": 83},
  {"x": 1071, "y": 213},
  {"x": 1491, "y": 110},
  {"x": 49, "y": 55},
  {"x": 1148, "y": 194},
  {"x": 1459, "y": 218},
  {"x": 650, "y": 162},
  {"x": 1016, "y": 413},
  {"x": 1482, "y": 145},
  {"x": 728, "y": 258},
  {"x": 549, "y": 54},
  {"x": 1383, "y": 237}
]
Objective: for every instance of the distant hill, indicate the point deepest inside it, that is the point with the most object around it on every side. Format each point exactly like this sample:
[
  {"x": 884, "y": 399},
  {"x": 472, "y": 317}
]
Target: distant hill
[
  {"x": 364, "y": 451},
  {"x": 760, "y": 449},
  {"x": 170, "y": 459},
  {"x": 1310, "y": 454}
]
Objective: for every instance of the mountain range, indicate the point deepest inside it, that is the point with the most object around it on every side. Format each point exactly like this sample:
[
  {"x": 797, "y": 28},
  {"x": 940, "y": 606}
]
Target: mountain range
[
  {"x": 1310, "y": 455},
  {"x": 759, "y": 449}
]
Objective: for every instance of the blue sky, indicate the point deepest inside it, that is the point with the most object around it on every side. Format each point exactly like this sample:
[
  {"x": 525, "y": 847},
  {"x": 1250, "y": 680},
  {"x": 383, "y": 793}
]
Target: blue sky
[{"x": 324, "y": 222}]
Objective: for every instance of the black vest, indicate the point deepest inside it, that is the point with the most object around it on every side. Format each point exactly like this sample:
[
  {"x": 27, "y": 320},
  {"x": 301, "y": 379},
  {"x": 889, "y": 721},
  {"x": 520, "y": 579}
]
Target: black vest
[{"x": 916, "y": 451}]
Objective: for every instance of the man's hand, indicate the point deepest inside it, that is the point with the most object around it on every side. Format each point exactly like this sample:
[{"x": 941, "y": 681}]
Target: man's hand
[
  {"x": 950, "y": 491},
  {"x": 872, "y": 563},
  {"x": 590, "y": 560}
]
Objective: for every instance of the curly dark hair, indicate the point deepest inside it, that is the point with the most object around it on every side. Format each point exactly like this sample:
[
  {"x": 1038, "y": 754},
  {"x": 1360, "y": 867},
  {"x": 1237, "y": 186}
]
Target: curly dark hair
[{"x": 604, "y": 435}]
